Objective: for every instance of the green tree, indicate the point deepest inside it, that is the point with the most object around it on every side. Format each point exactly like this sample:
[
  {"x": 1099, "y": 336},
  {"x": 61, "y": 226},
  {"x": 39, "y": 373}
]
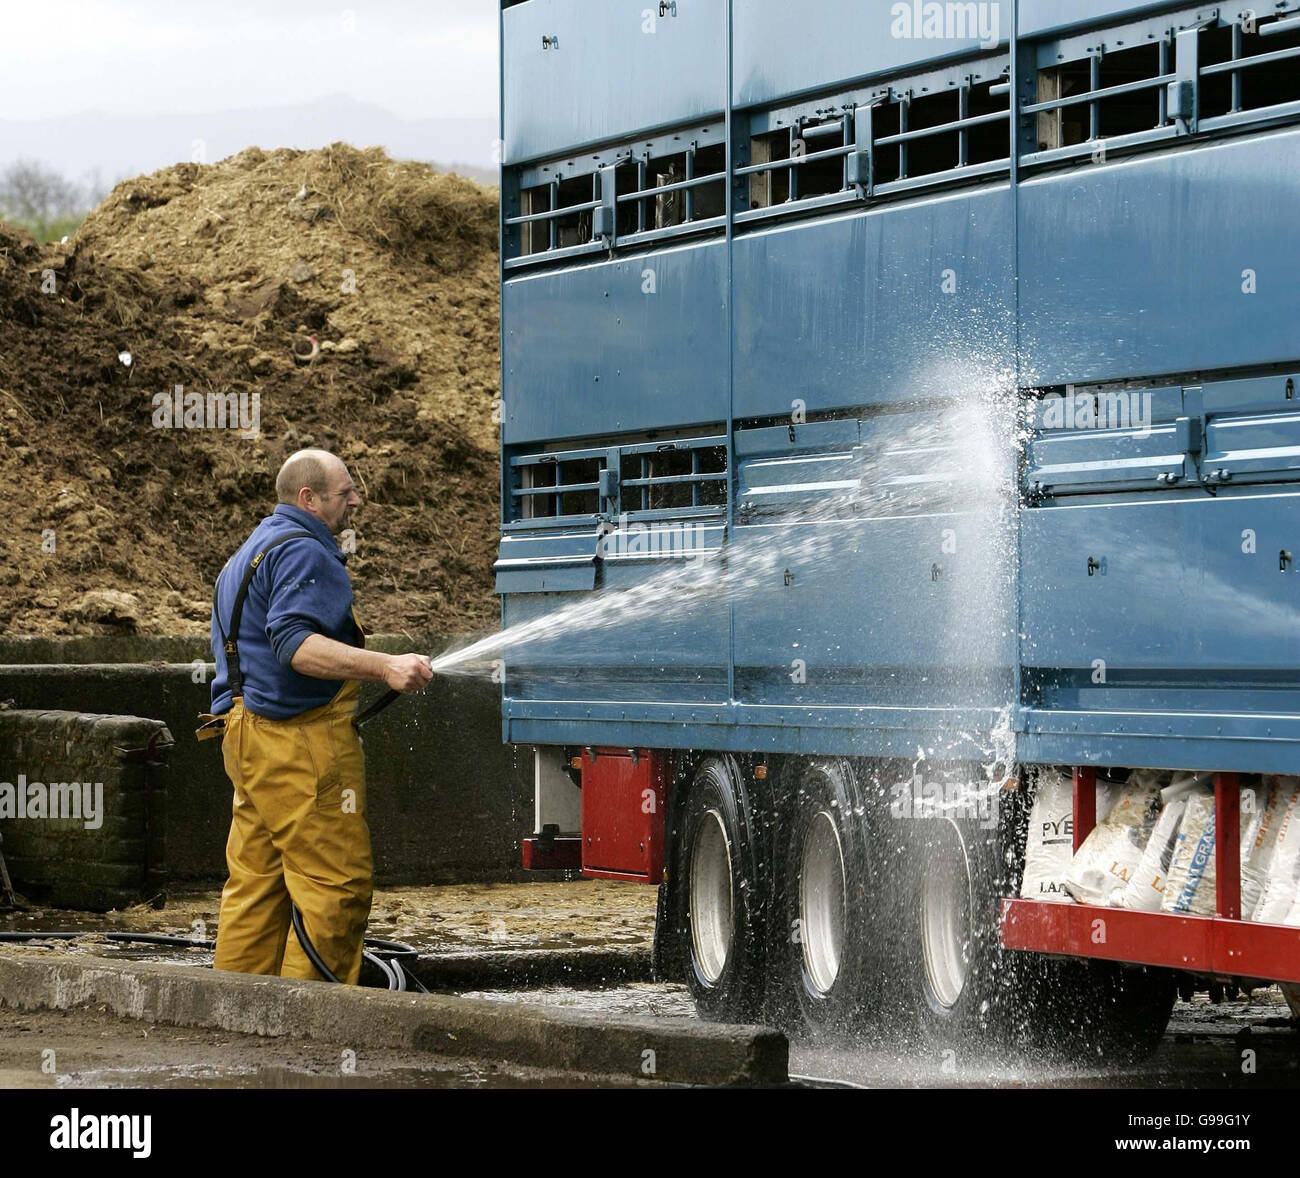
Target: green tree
[{"x": 41, "y": 200}]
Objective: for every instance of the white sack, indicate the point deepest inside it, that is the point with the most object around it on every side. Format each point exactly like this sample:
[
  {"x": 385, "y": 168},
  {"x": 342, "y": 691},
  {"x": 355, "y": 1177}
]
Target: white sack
[
  {"x": 1049, "y": 844},
  {"x": 1190, "y": 886},
  {"x": 1146, "y": 890},
  {"x": 1258, "y": 842},
  {"x": 1106, "y": 863},
  {"x": 1284, "y": 866}
]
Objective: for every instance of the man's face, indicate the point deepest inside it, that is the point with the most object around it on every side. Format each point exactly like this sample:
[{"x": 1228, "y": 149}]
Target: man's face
[{"x": 335, "y": 506}]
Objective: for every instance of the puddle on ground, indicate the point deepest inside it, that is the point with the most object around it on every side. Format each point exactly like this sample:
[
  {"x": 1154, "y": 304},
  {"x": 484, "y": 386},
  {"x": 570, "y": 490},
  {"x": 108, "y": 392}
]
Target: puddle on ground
[
  {"x": 452, "y": 1076},
  {"x": 656, "y": 999}
]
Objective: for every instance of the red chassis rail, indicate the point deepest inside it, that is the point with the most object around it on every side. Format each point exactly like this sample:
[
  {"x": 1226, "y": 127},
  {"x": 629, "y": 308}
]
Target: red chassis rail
[{"x": 1223, "y": 945}]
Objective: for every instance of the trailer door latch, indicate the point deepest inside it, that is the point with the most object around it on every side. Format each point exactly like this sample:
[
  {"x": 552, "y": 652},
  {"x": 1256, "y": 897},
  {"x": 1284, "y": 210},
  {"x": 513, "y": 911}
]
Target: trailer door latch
[
  {"x": 603, "y": 216},
  {"x": 1189, "y": 434}
]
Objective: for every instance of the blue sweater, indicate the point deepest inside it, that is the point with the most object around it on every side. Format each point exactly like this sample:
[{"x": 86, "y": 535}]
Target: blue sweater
[{"x": 301, "y": 588}]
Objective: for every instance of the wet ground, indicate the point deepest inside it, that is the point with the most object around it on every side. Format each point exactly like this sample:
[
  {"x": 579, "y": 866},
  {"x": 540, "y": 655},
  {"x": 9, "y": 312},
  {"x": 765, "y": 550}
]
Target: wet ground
[
  {"x": 449, "y": 919},
  {"x": 1247, "y": 1042},
  {"x": 88, "y": 1049},
  {"x": 1205, "y": 1046}
]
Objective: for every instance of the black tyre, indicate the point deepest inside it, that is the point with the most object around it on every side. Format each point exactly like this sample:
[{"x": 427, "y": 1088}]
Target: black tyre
[
  {"x": 719, "y": 895},
  {"x": 959, "y": 984},
  {"x": 963, "y": 988},
  {"x": 1112, "y": 1014},
  {"x": 827, "y": 977}
]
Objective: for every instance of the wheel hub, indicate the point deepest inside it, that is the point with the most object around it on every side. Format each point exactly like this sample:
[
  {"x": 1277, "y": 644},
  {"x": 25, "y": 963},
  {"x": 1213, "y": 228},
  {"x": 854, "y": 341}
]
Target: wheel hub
[
  {"x": 712, "y": 920},
  {"x": 821, "y": 902},
  {"x": 946, "y": 906}
]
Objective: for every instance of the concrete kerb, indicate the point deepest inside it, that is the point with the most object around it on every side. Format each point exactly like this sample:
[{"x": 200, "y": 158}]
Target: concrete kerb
[{"x": 665, "y": 1050}]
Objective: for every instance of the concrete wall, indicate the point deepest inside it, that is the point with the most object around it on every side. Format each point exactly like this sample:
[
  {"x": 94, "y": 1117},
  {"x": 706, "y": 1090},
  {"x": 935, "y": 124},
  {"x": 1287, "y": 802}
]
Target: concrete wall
[
  {"x": 83, "y": 807},
  {"x": 448, "y": 801}
]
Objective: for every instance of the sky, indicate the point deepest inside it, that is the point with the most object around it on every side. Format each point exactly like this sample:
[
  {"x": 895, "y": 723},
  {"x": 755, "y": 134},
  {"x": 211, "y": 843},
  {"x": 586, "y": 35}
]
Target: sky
[
  {"x": 419, "y": 58},
  {"x": 133, "y": 62}
]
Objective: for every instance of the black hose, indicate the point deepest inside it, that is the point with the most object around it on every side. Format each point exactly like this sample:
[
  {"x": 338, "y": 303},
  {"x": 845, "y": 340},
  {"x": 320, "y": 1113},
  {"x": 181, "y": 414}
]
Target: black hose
[
  {"x": 304, "y": 940},
  {"x": 123, "y": 938},
  {"x": 387, "y": 955},
  {"x": 386, "y": 958}
]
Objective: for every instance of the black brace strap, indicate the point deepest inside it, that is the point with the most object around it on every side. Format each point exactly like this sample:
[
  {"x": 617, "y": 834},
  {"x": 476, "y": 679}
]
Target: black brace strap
[{"x": 230, "y": 642}]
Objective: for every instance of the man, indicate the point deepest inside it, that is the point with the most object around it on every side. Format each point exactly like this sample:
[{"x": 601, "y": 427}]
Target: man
[{"x": 290, "y": 662}]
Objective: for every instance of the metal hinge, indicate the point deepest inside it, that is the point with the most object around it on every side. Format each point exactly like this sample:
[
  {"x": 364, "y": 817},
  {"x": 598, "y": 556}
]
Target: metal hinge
[
  {"x": 858, "y": 173},
  {"x": 1183, "y": 94},
  {"x": 604, "y": 217}
]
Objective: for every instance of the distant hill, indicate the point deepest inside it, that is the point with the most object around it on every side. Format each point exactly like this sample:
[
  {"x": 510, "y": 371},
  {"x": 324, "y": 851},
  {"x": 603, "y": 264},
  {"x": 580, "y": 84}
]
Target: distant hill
[{"x": 119, "y": 146}]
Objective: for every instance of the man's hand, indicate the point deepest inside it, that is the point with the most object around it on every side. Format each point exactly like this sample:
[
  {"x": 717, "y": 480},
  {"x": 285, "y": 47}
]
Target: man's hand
[
  {"x": 408, "y": 672},
  {"x": 323, "y": 658}
]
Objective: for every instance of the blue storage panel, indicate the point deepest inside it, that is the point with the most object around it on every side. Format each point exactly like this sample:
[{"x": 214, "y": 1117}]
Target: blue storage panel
[
  {"x": 853, "y": 311},
  {"x": 578, "y": 73},
  {"x": 782, "y": 49},
  {"x": 587, "y": 351},
  {"x": 905, "y": 612},
  {"x": 1137, "y": 267},
  {"x": 1185, "y": 587},
  {"x": 890, "y": 578},
  {"x": 1199, "y": 637}
]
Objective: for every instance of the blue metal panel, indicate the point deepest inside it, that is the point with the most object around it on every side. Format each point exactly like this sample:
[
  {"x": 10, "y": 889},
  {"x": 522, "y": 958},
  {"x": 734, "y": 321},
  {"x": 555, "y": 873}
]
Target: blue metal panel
[
  {"x": 1053, "y": 16},
  {"x": 782, "y": 49},
  {"x": 878, "y": 732},
  {"x": 560, "y": 561},
  {"x": 1139, "y": 267},
  {"x": 891, "y": 612},
  {"x": 1168, "y": 603},
  {"x": 658, "y": 653},
  {"x": 1130, "y": 271},
  {"x": 1111, "y": 741},
  {"x": 578, "y": 73},
  {"x": 875, "y": 732},
  {"x": 854, "y": 311},
  {"x": 589, "y": 351}
]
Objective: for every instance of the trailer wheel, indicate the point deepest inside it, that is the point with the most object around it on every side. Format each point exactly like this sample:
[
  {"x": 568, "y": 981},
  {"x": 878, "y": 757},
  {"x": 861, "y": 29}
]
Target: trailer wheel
[
  {"x": 822, "y": 938},
  {"x": 1113, "y": 1013},
  {"x": 719, "y": 895},
  {"x": 955, "y": 957},
  {"x": 967, "y": 989}
]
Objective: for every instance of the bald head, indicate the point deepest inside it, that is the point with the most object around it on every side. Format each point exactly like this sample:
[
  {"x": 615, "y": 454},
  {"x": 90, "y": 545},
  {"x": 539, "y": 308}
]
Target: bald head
[
  {"x": 318, "y": 483},
  {"x": 306, "y": 468}
]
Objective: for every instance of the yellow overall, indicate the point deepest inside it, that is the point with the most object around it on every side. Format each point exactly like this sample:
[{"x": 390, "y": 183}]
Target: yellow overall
[{"x": 298, "y": 833}]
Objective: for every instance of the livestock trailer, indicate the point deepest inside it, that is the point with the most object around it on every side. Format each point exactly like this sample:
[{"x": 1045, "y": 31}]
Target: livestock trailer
[{"x": 898, "y": 402}]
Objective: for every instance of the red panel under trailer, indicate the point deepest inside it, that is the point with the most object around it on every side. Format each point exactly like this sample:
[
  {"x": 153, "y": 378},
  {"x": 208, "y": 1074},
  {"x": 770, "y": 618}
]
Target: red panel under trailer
[{"x": 1223, "y": 946}]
